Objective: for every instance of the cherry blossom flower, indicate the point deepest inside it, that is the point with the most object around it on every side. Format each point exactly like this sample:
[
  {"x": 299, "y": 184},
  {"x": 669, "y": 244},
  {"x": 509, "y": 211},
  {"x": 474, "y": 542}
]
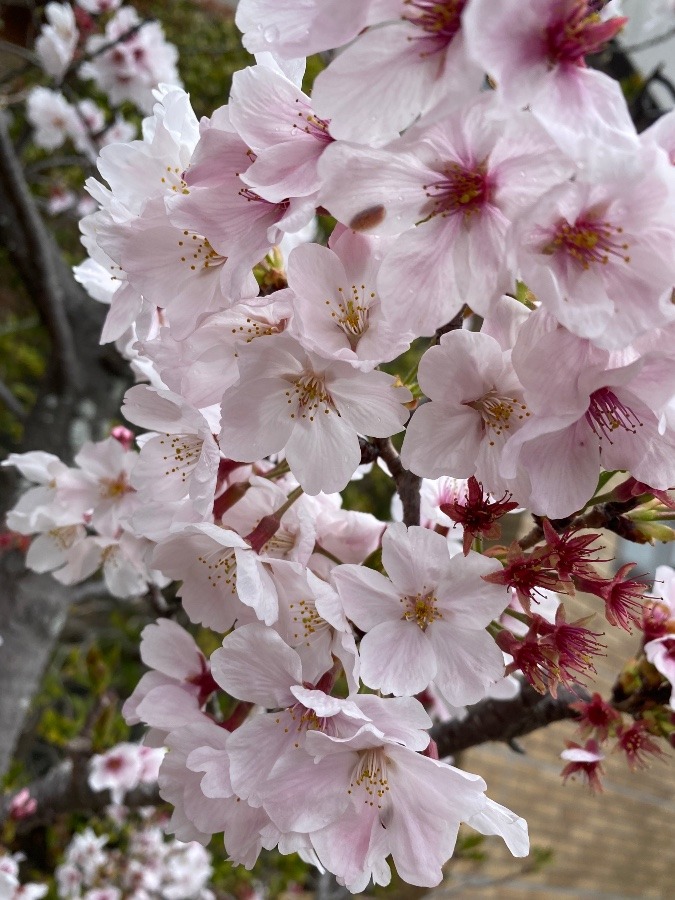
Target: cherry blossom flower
[
  {"x": 587, "y": 250},
  {"x": 311, "y": 408},
  {"x": 661, "y": 654},
  {"x": 623, "y": 596},
  {"x": 337, "y": 312},
  {"x": 135, "y": 64},
  {"x": 596, "y": 717},
  {"x": 380, "y": 84},
  {"x": 476, "y": 404},
  {"x": 426, "y": 621},
  {"x": 584, "y": 760},
  {"x": 57, "y": 41},
  {"x": 451, "y": 191},
  {"x": 542, "y": 65},
  {"x": 478, "y": 514},
  {"x": 637, "y": 745},
  {"x": 221, "y": 576},
  {"x": 180, "y": 462}
]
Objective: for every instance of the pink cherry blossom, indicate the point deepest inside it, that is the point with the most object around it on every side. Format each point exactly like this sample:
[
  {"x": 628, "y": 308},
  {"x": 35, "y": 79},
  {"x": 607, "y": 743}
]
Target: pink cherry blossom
[
  {"x": 536, "y": 55},
  {"x": 451, "y": 192},
  {"x": 311, "y": 408},
  {"x": 426, "y": 621},
  {"x": 476, "y": 404}
]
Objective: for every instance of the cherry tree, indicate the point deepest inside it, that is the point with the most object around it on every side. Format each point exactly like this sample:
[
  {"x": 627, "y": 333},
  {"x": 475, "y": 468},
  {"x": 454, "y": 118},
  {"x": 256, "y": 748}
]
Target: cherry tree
[{"x": 450, "y": 260}]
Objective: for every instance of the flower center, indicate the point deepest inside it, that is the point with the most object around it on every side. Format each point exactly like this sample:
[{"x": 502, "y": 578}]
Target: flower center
[
  {"x": 306, "y": 619},
  {"x": 370, "y": 776},
  {"x": 220, "y": 564},
  {"x": 174, "y": 180},
  {"x": 581, "y": 31},
  {"x": 588, "y": 241},
  {"x": 182, "y": 453},
  {"x": 114, "y": 488},
  {"x": 606, "y": 413},
  {"x": 313, "y": 125},
  {"x": 462, "y": 190},
  {"x": 199, "y": 253},
  {"x": 421, "y": 609},
  {"x": 64, "y": 536},
  {"x": 307, "y": 396},
  {"x": 351, "y": 313},
  {"x": 440, "y": 20},
  {"x": 496, "y": 412}
]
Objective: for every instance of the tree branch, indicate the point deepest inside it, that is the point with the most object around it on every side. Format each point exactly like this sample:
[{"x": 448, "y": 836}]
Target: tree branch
[
  {"x": 50, "y": 296},
  {"x": 65, "y": 789},
  {"x": 407, "y": 484},
  {"x": 506, "y": 720}
]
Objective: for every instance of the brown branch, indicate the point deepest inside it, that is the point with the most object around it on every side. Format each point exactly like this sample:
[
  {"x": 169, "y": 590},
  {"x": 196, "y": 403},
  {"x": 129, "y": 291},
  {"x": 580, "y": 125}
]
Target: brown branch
[
  {"x": 407, "y": 484},
  {"x": 65, "y": 789},
  {"x": 506, "y": 720},
  {"x": 50, "y": 298}
]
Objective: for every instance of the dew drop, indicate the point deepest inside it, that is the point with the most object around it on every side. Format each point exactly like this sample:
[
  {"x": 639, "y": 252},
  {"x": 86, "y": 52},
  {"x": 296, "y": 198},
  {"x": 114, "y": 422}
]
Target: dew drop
[{"x": 271, "y": 34}]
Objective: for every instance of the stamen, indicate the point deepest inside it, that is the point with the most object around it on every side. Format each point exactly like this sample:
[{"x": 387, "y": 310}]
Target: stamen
[
  {"x": 421, "y": 609},
  {"x": 439, "y": 20},
  {"x": 606, "y": 413},
  {"x": 351, "y": 314},
  {"x": 370, "y": 776},
  {"x": 462, "y": 190},
  {"x": 588, "y": 241},
  {"x": 581, "y": 32},
  {"x": 307, "y": 396},
  {"x": 496, "y": 411},
  {"x": 220, "y": 564},
  {"x": 183, "y": 452}
]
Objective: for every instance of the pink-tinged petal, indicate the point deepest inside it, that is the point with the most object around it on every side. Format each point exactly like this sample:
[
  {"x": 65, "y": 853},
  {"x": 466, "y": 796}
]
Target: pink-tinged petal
[
  {"x": 377, "y": 87},
  {"x": 562, "y": 462},
  {"x": 264, "y": 106},
  {"x": 397, "y": 658},
  {"x": 168, "y": 706},
  {"x": 322, "y": 784},
  {"x": 255, "y": 664},
  {"x": 583, "y": 109},
  {"x": 344, "y": 846},
  {"x": 431, "y": 798},
  {"x": 371, "y": 403},
  {"x": 254, "y": 423},
  {"x": 497, "y": 819},
  {"x": 276, "y": 25},
  {"x": 286, "y": 170},
  {"x": 424, "y": 262},
  {"x": 442, "y": 440},
  {"x": 316, "y": 272},
  {"x": 367, "y": 596},
  {"x": 401, "y": 719},
  {"x": 324, "y": 705},
  {"x": 323, "y": 454},
  {"x": 255, "y": 587},
  {"x": 464, "y": 597},
  {"x": 170, "y": 649},
  {"x": 160, "y": 411},
  {"x": 264, "y": 738},
  {"x": 468, "y": 662},
  {"x": 415, "y": 558},
  {"x": 648, "y": 455},
  {"x": 466, "y": 362},
  {"x": 125, "y": 308},
  {"x": 375, "y": 191}
]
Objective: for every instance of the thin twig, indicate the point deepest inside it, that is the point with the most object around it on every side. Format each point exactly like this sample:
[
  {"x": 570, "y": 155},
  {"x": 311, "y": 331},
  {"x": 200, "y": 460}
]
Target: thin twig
[{"x": 649, "y": 42}]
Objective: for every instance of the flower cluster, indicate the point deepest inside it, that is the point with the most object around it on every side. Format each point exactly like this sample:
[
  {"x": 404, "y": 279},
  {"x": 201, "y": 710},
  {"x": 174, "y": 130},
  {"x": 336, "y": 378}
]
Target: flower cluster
[
  {"x": 531, "y": 205},
  {"x": 147, "y": 867}
]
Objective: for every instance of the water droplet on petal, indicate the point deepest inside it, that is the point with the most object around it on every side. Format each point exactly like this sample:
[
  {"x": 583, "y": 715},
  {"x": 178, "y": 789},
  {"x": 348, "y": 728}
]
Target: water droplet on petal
[{"x": 271, "y": 34}]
